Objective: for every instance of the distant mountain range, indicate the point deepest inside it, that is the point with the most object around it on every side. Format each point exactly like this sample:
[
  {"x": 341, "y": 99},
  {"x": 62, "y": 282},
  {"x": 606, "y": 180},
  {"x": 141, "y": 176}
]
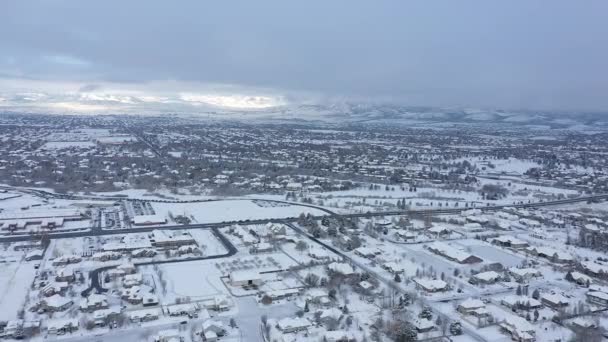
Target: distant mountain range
[{"x": 342, "y": 112}]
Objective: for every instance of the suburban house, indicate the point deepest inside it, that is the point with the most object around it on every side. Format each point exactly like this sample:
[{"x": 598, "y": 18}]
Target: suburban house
[
  {"x": 554, "y": 300},
  {"x": 62, "y": 326},
  {"x": 489, "y": 277},
  {"x": 57, "y": 303},
  {"x": 94, "y": 302},
  {"x": 245, "y": 278},
  {"x": 289, "y": 325},
  {"x": 597, "y": 298},
  {"x": 431, "y": 285},
  {"x": 452, "y": 253},
  {"x": 524, "y": 274},
  {"x": 515, "y": 302},
  {"x": 474, "y": 307},
  {"x": 519, "y": 329},
  {"x": 510, "y": 241}
]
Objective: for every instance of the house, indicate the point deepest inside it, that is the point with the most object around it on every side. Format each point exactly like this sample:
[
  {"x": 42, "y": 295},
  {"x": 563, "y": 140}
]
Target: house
[
  {"x": 215, "y": 327},
  {"x": 339, "y": 336},
  {"x": 584, "y": 323},
  {"x": 594, "y": 268},
  {"x": 65, "y": 274},
  {"x": 131, "y": 280},
  {"x": 36, "y": 254},
  {"x": 135, "y": 295},
  {"x": 106, "y": 256},
  {"x": 365, "y": 252},
  {"x": 423, "y": 325},
  {"x": 524, "y": 274},
  {"x": 318, "y": 296},
  {"x": 217, "y": 303},
  {"x": 245, "y": 278},
  {"x": 54, "y": 288},
  {"x": 149, "y": 299},
  {"x": 319, "y": 254},
  {"x": 579, "y": 278},
  {"x": 510, "y": 241},
  {"x": 439, "y": 231},
  {"x": 162, "y": 238},
  {"x": 127, "y": 268},
  {"x": 143, "y": 253},
  {"x": 597, "y": 297},
  {"x": 431, "y": 285},
  {"x": 62, "y": 326},
  {"x": 393, "y": 267},
  {"x": 168, "y": 335},
  {"x": 551, "y": 254},
  {"x": 290, "y": 325},
  {"x": 519, "y": 329},
  {"x": 148, "y": 220},
  {"x": 554, "y": 300},
  {"x": 94, "y": 302},
  {"x": 271, "y": 230},
  {"x": 186, "y": 309},
  {"x": 101, "y": 317},
  {"x": 452, "y": 253},
  {"x": 489, "y": 277},
  {"x": 473, "y": 307},
  {"x": 406, "y": 235},
  {"x": 57, "y": 303},
  {"x": 341, "y": 268},
  {"x": 209, "y": 336},
  {"x": 66, "y": 259},
  {"x": 330, "y": 317},
  {"x": 282, "y": 293},
  {"x": 515, "y": 302},
  {"x": 145, "y": 315}
]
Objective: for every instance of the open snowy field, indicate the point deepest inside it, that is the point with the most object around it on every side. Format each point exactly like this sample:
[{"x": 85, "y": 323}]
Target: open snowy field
[
  {"x": 230, "y": 210},
  {"x": 195, "y": 279},
  {"x": 61, "y": 145},
  {"x": 207, "y": 242},
  {"x": 15, "y": 280}
]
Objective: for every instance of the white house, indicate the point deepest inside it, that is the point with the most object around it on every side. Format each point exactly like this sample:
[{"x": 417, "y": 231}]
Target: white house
[{"x": 245, "y": 278}]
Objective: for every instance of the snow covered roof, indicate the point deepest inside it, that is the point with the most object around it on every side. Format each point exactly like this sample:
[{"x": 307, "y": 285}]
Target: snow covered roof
[
  {"x": 293, "y": 323},
  {"x": 513, "y": 300},
  {"x": 57, "y": 301},
  {"x": 510, "y": 239},
  {"x": 422, "y": 324},
  {"x": 148, "y": 219},
  {"x": 245, "y": 275},
  {"x": 334, "y": 313},
  {"x": 550, "y": 252},
  {"x": 472, "y": 304},
  {"x": 449, "y": 251},
  {"x": 58, "y": 324},
  {"x": 431, "y": 284},
  {"x": 342, "y": 268},
  {"x": 487, "y": 276},
  {"x": 524, "y": 272},
  {"x": 555, "y": 298}
]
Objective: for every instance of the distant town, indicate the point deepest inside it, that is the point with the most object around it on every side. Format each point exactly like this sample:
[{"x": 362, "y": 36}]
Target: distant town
[{"x": 172, "y": 228}]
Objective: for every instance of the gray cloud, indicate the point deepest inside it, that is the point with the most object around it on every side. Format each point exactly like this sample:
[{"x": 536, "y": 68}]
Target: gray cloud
[{"x": 517, "y": 54}]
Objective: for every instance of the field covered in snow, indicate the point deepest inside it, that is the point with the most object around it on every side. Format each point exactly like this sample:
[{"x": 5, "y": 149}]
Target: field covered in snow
[{"x": 230, "y": 210}]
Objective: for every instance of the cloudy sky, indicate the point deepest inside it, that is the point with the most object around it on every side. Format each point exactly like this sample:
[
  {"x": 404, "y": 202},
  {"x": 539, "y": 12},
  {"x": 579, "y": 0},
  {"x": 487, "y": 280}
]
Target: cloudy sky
[{"x": 520, "y": 54}]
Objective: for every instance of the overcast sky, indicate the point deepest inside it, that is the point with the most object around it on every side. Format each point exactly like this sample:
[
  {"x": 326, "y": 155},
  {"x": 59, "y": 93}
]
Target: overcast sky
[{"x": 511, "y": 54}]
